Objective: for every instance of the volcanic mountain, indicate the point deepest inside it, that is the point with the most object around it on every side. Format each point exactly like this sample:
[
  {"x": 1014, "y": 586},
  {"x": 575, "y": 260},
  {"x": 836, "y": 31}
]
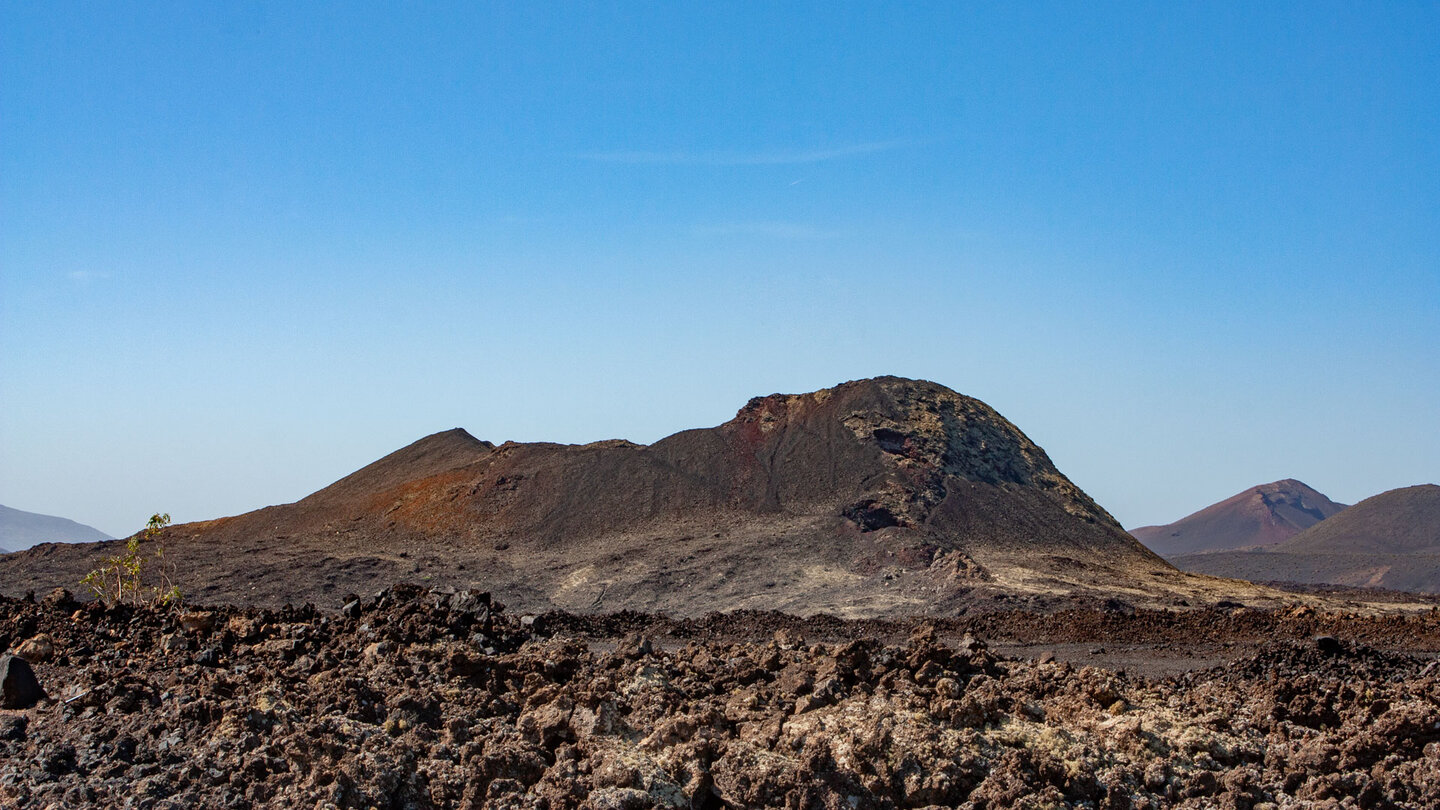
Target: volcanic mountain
[
  {"x": 1259, "y": 516},
  {"x": 1391, "y": 540},
  {"x": 20, "y": 529},
  {"x": 880, "y": 496}
]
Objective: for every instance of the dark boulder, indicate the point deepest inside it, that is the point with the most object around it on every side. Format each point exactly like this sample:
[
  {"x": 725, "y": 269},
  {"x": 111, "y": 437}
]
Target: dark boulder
[{"x": 19, "y": 688}]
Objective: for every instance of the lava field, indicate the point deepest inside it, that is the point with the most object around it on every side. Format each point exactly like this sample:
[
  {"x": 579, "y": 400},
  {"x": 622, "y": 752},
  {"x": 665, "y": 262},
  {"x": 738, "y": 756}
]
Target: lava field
[{"x": 415, "y": 699}]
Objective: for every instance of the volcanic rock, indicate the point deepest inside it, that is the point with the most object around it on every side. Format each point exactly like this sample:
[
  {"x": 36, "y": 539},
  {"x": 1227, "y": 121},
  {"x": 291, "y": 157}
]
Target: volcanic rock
[
  {"x": 197, "y": 621},
  {"x": 718, "y": 714},
  {"x": 60, "y": 599},
  {"x": 36, "y": 650},
  {"x": 18, "y": 687}
]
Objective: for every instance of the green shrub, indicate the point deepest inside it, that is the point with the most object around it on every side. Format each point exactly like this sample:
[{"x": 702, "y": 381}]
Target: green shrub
[{"x": 122, "y": 578}]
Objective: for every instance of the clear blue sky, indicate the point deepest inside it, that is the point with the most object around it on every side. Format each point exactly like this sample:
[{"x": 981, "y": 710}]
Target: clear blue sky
[{"x": 248, "y": 248}]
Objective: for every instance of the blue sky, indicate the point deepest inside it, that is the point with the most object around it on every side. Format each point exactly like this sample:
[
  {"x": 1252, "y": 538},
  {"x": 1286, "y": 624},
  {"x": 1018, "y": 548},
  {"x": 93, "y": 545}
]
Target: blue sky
[{"x": 247, "y": 248}]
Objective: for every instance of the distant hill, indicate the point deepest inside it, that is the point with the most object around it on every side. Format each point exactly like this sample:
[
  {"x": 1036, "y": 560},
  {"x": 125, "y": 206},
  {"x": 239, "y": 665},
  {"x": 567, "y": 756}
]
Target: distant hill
[
  {"x": 876, "y": 497},
  {"x": 19, "y": 530},
  {"x": 1401, "y": 521},
  {"x": 1391, "y": 540},
  {"x": 1260, "y": 516}
]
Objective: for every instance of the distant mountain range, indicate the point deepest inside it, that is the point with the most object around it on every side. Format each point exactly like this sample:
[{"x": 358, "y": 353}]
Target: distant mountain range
[
  {"x": 21, "y": 530},
  {"x": 1391, "y": 540},
  {"x": 1260, "y": 516}
]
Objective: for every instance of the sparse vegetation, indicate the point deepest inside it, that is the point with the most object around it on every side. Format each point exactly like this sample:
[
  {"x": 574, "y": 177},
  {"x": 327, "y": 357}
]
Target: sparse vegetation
[{"x": 122, "y": 579}]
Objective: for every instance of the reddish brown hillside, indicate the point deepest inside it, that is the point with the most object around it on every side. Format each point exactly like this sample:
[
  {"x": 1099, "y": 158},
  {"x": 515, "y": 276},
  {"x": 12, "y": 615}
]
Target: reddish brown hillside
[
  {"x": 1259, "y": 516},
  {"x": 874, "y": 497},
  {"x": 1391, "y": 540}
]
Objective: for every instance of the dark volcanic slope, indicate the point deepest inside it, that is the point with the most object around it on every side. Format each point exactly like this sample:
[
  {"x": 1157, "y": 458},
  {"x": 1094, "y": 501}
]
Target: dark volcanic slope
[
  {"x": 876, "y": 496},
  {"x": 1259, "y": 516},
  {"x": 1391, "y": 540},
  {"x": 24, "y": 529}
]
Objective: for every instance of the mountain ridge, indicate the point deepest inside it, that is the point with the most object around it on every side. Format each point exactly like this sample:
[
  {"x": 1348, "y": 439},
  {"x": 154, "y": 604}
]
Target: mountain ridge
[{"x": 20, "y": 529}]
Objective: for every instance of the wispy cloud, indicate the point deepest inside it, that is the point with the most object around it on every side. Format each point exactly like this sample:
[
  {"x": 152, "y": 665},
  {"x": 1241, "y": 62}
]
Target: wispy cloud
[
  {"x": 773, "y": 230},
  {"x": 86, "y": 276},
  {"x": 778, "y": 157}
]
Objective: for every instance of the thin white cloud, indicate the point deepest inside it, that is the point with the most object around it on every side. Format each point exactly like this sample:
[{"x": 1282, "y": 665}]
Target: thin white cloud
[
  {"x": 781, "y": 157},
  {"x": 773, "y": 230},
  {"x": 84, "y": 276}
]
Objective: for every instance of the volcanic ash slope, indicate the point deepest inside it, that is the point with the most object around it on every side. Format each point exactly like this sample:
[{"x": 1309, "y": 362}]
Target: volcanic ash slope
[{"x": 877, "y": 497}]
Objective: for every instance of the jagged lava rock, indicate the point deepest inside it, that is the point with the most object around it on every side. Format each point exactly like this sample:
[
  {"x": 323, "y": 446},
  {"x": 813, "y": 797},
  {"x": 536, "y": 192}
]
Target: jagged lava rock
[{"x": 19, "y": 688}]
